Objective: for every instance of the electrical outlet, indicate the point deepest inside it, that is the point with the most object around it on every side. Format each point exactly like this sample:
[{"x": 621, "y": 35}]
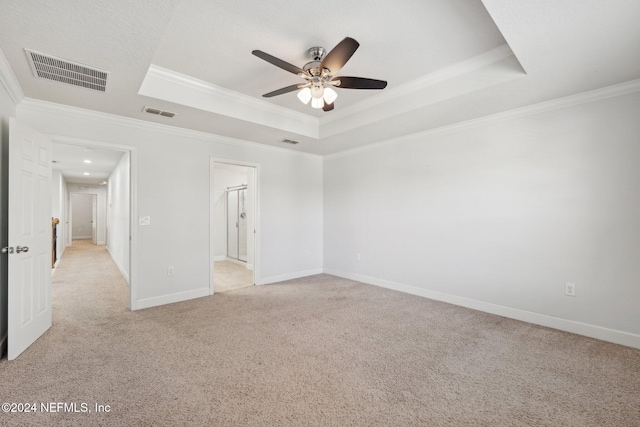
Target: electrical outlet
[
  {"x": 570, "y": 289},
  {"x": 170, "y": 270},
  {"x": 357, "y": 256},
  {"x": 144, "y": 220}
]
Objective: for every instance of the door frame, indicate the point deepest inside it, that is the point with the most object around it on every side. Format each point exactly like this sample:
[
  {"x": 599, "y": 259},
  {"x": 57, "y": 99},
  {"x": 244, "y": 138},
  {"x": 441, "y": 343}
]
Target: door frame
[
  {"x": 133, "y": 202},
  {"x": 94, "y": 218},
  {"x": 256, "y": 221}
]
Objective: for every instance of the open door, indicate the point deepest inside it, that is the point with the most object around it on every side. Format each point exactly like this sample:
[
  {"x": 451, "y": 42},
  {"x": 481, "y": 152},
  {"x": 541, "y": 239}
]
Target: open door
[{"x": 30, "y": 312}]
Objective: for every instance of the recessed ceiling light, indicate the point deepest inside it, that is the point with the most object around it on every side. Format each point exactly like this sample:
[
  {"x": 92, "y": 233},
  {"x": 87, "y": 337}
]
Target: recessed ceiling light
[
  {"x": 103, "y": 183},
  {"x": 87, "y": 161},
  {"x": 86, "y": 173}
]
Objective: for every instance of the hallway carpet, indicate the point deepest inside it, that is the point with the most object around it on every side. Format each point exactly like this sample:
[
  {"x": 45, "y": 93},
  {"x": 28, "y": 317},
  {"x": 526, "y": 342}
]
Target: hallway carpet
[{"x": 318, "y": 351}]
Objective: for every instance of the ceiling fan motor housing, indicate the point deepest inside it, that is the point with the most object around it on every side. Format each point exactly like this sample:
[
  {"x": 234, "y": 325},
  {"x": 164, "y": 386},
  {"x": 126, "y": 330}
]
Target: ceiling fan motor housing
[
  {"x": 313, "y": 67},
  {"x": 317, "y": 53}
]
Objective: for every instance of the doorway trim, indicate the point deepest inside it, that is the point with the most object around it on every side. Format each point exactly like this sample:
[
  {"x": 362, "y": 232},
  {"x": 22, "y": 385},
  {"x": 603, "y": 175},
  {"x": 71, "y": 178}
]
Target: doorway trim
[
  {"x": 256, "y": 222},
  {"x": 133, "y": 202}
]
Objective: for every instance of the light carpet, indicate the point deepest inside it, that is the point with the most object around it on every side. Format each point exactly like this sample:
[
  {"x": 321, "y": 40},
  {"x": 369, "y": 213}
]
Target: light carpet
[{"x": 318, "y": 351}]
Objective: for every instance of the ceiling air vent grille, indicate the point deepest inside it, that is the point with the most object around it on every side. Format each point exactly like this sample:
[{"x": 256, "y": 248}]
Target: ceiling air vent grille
[
  {"x": 290, "y": 141},
  {"x": 158, "y": 112},
  {"x": 61, "y": 70}
]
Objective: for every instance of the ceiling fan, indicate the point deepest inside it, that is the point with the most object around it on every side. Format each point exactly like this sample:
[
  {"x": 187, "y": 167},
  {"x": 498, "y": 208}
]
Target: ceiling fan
[{"x": 319, "y": 75}]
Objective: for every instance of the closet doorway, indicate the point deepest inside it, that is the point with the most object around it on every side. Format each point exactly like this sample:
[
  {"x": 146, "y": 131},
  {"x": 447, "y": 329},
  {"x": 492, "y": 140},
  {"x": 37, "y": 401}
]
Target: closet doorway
[{"x": 234, "y": 219}]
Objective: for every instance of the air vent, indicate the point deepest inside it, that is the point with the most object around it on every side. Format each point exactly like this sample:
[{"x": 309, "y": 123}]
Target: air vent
[
  {"x": 158, "y": 112},
  {"x": 61, "y": 70},
  {"x": 290, "y": 141}
]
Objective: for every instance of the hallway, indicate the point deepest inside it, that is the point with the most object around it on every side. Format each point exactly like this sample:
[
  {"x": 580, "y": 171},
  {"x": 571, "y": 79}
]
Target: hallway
[{"x": 87, "y": 280}]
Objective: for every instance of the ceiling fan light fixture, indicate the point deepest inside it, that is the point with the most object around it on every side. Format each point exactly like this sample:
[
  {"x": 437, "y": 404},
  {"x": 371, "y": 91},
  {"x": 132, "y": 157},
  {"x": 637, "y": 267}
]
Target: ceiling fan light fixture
[
  {"x": 305, "y": 95},
  {"x": 330, "y": 95},
  {"x": 317, "y": 90},
  {"x": 317, "y": 102},
  {"x": 319, "y": 75}
]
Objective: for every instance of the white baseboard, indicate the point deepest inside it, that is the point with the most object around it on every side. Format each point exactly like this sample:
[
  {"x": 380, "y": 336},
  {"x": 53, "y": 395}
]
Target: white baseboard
[
  {"x": 101, "y": 243},
  {"x": 249, "y": 267},
  {"x": 124, "y": 273},
  {"x": 169, "y": 299},
  {"x": 288, "y": 276},
  {"x": 236, "y": 261},
  {"x": 218, "y": 258},
  {"x": 592, "y": 331},
  {"x": 82, "y": 238}
]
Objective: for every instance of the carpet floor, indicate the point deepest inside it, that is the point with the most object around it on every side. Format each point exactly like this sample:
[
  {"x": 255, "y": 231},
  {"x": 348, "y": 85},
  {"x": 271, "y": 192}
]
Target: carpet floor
[{"x": 318, "y": 351}]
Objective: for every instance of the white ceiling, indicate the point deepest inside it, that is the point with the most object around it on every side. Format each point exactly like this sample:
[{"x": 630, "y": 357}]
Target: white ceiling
[
  {"x": 446, "y": 61},
  {"x": 75, "y": 161}
]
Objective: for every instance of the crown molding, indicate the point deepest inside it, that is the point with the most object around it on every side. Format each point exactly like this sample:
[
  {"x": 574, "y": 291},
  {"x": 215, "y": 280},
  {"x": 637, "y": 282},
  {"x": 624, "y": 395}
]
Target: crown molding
[
  {"x": 227, "y": 94},
  {"x": 175, "y": 87},
  {"x": 542, "y": 107},
  {"x": 115, "y": 120},
  {"x": 172, "y": 86},
  {"x": 489, "y": 69},
  {"x": 422, "y": 83},
  {"x": 10, "y": 81}
]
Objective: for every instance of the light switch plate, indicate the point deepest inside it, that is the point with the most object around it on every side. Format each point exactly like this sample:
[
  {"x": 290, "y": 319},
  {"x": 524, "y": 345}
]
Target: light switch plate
[{"x": 144, "y": 220}]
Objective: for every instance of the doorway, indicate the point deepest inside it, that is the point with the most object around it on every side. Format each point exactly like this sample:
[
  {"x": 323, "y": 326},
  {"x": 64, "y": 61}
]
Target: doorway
[
  {"x": 93, "y": 184},
  {"x": 233, "y": 216},
  {"x": 83, "y": 218}
]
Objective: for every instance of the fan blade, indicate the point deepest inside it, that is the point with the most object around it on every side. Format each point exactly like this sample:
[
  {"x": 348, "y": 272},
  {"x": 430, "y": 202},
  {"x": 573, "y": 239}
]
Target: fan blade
[
  {"x": 283, "y": 90},
  {"x": 328, "y": 107},
  {"x": 359, "y": 83},
  {"x": 339, "y": 55},
  {"x": 279, "y": 62}
]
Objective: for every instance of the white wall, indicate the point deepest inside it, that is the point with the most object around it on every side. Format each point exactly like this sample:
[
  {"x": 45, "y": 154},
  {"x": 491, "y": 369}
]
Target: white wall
[
  {"x": 101, "y": 213},
  {"x": 118, "y": 208},
  {"x": 501, "y": 215},
  {"x": 172, "y": 175},
  {"x": 249, "y": 204}
]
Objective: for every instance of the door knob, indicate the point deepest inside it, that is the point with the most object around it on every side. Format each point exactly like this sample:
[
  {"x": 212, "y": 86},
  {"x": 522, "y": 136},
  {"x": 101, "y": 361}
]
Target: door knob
[{"x": 22, "y": 249}]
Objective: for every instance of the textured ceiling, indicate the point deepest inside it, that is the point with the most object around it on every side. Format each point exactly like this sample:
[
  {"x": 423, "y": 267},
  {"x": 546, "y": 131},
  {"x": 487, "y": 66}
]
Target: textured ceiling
[{"x": 446, "y": 61}]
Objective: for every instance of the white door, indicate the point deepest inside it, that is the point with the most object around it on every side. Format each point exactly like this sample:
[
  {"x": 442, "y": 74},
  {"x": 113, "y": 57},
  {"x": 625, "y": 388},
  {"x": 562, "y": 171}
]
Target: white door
[
  {"x": 94, "y": 219},
  {"x": 30, "y": 313}
]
